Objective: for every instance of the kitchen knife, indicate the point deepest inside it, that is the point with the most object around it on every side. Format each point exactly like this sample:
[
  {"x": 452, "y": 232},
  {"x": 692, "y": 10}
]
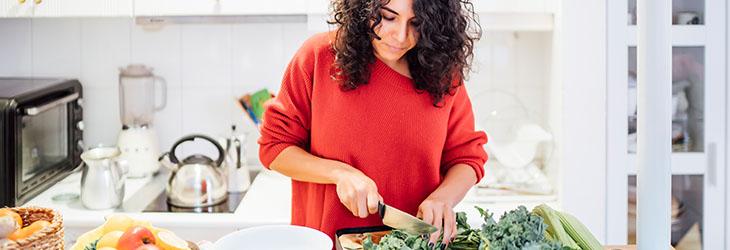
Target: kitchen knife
[{"x": 397, "y": 219}]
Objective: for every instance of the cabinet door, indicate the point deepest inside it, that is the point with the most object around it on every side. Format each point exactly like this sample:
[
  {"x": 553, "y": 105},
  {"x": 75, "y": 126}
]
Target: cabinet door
[
  {"x": 698, "y": 122},
  {"x": 218, "y": 7},
  {"x": 16, "y": 8},
  {"x": 82, "y": 8}
]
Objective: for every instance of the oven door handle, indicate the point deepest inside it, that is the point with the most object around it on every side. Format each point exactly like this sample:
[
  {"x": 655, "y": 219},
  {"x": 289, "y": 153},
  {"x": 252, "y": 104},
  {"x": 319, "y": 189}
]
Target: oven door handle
[{"x": 31, "y": 111}]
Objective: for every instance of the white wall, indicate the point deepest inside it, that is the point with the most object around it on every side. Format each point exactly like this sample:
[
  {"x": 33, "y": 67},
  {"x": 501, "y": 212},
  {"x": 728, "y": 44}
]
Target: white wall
[
  {"x": 207, "y": 65},
  {"x": 582, "y": 28}
]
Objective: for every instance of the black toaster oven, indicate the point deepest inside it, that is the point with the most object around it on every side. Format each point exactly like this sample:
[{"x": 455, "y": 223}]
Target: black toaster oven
[{"x": 41, "y": 132}]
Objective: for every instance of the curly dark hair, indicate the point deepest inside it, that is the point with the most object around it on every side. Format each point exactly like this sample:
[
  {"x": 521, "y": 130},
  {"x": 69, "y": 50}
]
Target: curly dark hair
[{"x": 447, "y": 32}]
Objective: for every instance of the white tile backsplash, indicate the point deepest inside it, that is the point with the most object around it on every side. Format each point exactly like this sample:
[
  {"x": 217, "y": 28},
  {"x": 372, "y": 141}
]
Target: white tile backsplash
[
  {"x": 56, "y": 45},
  {"x": 159, "y": 47},
  {"x": 105, "y": 48},
  {"x": 101, "y": 116},
  {"x": 252, "y": 51},
  {"x": 208, "y": 65},
  {"x": 168, "y": 121},
  {"x": 15, "y": 52},
  {"x": 206, "y": 56},
  {"x": 207, "y": 111}
]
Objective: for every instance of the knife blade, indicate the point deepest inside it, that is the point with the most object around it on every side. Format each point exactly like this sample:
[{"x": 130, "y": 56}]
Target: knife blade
[{"x": 397, "y": 219}]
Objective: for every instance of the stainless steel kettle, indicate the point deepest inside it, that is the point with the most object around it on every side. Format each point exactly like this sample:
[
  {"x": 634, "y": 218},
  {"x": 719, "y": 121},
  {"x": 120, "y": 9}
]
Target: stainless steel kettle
[{"x": 197, "y": 180}]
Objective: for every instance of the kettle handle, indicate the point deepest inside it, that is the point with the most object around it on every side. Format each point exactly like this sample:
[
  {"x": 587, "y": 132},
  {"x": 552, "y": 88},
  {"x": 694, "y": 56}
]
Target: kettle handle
[{"x": 173, "y": 157}]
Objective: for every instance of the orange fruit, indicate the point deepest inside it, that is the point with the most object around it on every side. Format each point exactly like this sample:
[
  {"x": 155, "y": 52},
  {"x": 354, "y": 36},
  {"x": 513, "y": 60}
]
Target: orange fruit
[
  {"x": 16, "y": 216},
  {"x": 29, "y": 230}
]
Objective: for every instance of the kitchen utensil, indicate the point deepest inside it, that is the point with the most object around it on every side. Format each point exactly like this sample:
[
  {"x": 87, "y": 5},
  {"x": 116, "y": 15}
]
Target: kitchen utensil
[
  {"x": 397, "y": 219},
  {"x": 196, "y": 181},
  {"x": 138, "y": 140},
  {"x": 102, "y": 178},
  {"x": 137, "y": 94},
  {"x": 280, "y": 237},
  {"x": 235, "y": 163}
]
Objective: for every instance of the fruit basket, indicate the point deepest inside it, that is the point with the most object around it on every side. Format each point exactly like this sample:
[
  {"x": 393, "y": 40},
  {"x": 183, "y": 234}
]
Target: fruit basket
[
  {"x": 121, "y": 232},
  {"x": 42, "y": 228}
]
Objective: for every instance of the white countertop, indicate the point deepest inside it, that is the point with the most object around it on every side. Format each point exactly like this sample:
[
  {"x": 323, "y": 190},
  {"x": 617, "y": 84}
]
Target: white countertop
[{"x": 267, "y": 202}]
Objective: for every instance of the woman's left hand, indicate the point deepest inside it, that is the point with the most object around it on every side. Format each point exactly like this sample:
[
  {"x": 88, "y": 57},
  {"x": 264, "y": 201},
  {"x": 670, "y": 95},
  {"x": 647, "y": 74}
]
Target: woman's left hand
[{"x": 440, "y": 213}]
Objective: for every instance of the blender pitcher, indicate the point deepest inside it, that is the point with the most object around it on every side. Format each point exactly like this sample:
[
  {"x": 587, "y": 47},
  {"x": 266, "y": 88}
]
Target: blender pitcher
[{"x": 137, "y": 95}]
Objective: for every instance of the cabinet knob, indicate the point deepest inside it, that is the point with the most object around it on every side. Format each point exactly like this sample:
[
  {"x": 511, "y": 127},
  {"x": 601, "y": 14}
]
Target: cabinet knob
[
  {"x": 21, "y": 1},
  {"x": 38, "y": 1}
]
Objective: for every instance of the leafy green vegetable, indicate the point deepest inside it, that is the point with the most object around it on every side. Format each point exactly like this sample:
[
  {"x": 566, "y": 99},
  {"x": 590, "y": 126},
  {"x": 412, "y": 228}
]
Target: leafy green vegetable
[
  {"x": 516, "y": 230},
  {"x": 91, "y": 246}
]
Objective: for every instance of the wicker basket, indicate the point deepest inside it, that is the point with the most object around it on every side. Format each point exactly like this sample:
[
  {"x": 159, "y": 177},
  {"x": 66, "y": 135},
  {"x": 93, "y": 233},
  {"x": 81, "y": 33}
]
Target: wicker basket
[{"x": 50, "y": 237}]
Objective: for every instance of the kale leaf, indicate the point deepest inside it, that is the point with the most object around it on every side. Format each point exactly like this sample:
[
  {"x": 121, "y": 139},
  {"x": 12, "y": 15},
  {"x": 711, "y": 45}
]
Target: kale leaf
[
  {"x": 518, "y": 229},
  {"x": 91, "y": 246}
]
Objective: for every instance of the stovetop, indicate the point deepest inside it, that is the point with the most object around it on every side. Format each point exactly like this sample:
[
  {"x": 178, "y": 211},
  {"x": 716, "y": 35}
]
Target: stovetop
[
  {"x": 152, "y": 197},
  {"x": 159, "y": 204}
]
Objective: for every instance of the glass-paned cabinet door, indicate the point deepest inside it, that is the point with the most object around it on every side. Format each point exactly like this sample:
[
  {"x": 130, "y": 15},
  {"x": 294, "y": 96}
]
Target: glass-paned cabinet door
[
  {"x": 698, "y": 120},
  {"x": 688, "y": 100},
  {"x": 687, "y": 211},
  {"x": 684, "y": 12},
  {"x": 696, "y": 135}
]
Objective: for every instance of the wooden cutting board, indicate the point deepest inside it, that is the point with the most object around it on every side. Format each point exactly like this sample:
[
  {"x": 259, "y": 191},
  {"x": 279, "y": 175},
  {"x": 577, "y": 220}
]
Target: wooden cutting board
[{"x": 625, "y": 247}]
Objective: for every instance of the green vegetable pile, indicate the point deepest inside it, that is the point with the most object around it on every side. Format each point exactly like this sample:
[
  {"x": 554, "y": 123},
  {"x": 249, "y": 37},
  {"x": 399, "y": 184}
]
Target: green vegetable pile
[
  {"x": 517, "y": 229},
  {"x": 466, "y": 238}
]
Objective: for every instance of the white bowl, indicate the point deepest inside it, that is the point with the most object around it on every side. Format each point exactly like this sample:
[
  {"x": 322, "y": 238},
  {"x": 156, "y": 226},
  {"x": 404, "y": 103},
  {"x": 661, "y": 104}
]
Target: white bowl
[{"x": 277, "y": 237}]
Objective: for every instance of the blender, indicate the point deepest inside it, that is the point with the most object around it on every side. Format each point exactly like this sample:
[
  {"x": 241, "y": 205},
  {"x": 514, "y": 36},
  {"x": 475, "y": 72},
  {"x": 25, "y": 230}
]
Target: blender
[{"x": 138, "y": 141}]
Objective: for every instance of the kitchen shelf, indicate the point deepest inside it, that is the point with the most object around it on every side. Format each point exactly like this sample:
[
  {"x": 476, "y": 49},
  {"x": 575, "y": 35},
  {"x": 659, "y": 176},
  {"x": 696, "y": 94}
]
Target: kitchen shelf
[
  {"x": 514, "y": 6},
  {"x": 682, "y": 35},
  {"x": 516, "y": 21},
  {"x": 491, "y": 195},
  {"x": 682, "y": 164}
]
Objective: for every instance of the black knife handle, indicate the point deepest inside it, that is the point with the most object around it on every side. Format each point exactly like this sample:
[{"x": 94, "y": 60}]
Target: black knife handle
[{"x": 381, "y": 210}]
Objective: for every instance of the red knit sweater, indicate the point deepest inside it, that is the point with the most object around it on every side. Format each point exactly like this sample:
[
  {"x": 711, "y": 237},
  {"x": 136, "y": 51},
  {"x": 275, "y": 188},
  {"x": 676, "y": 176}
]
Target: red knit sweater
[{"x": 386, "y": 129}]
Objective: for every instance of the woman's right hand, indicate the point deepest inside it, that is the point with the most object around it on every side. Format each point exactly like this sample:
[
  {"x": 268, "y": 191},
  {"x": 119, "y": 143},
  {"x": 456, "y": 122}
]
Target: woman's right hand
[{"x": 357, "y": 192}]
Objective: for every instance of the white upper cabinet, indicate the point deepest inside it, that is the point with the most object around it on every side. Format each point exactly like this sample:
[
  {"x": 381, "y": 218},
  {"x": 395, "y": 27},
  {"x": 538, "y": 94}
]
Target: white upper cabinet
[
  {"x": 82, "y": 8},
  {"x": 65, "y": 8},
  {"x": 16, "y": 8},
  {"x": 218, "y": 7},
  {"x": 104, "y": 8}
]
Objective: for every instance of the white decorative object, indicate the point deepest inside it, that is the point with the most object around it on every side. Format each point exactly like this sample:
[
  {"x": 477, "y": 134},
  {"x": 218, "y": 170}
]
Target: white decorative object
[
  {"x": 515, "y": 142},
  {"x": 521, "y": 151},
  {"x": 281, "y": 237}
]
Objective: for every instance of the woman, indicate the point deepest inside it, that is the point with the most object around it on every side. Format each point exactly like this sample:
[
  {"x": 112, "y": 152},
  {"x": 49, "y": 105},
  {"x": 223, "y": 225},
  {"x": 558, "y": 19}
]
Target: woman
[{"x": 375, "y": 111}]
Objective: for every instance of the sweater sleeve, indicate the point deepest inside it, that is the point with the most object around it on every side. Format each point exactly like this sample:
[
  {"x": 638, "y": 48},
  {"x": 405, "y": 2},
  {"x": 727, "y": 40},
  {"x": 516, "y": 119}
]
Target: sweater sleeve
[
  {"x": 286, "y": 119},
  {"x": 463, "y": 144}
]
